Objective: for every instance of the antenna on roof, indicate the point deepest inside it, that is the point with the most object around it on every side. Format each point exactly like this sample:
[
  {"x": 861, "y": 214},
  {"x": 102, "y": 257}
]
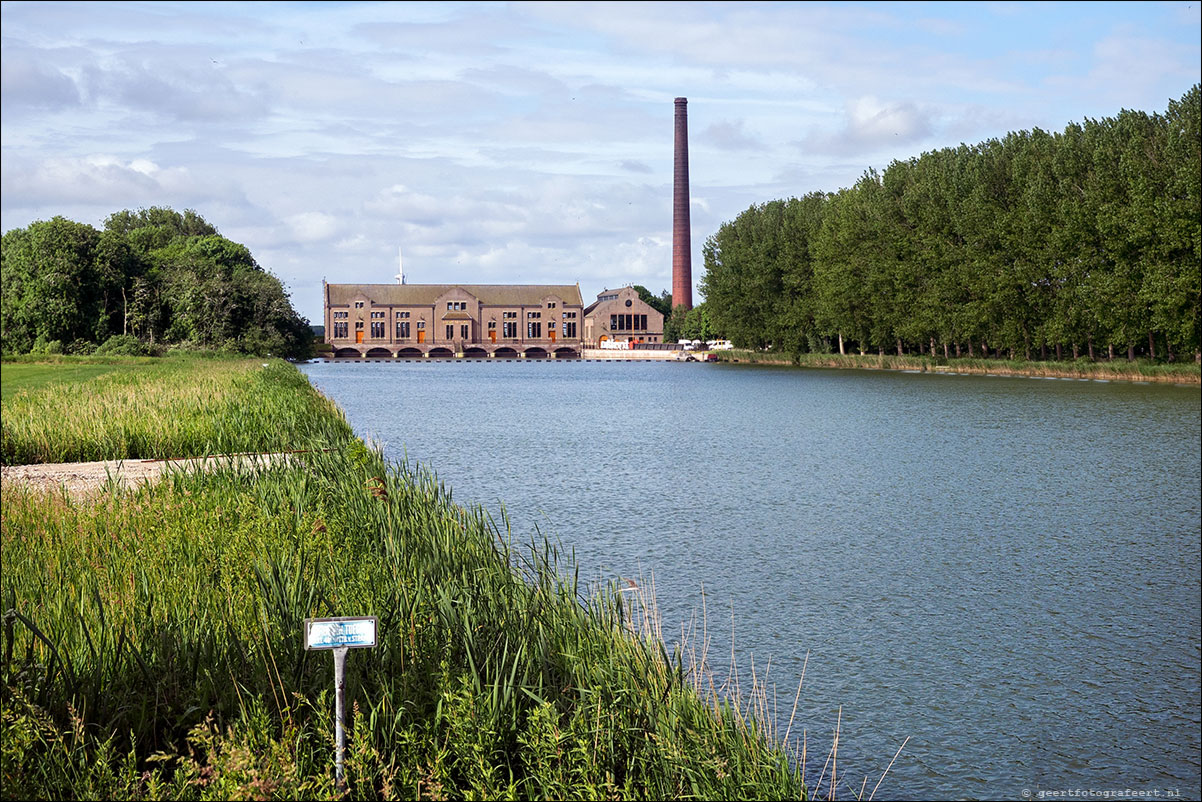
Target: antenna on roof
[{"x": 400, "y": 264}]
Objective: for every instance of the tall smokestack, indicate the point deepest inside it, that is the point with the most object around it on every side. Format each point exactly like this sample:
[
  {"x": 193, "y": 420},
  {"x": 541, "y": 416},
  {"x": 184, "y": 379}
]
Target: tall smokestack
[{"x": 682, "y": 252}]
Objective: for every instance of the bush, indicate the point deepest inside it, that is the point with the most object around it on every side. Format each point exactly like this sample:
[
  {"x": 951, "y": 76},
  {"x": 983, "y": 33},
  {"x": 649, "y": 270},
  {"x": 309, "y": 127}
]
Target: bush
[{"x": 125, "y": 345}]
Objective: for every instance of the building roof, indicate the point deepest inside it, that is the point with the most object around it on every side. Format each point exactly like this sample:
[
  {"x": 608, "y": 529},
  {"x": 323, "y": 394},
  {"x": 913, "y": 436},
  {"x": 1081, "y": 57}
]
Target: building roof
[{"x": 427, "y": 294}]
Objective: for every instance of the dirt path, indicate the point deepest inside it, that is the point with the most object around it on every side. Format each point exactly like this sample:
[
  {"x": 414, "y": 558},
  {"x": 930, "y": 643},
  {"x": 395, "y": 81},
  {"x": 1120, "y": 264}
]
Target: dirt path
[{"x": 87, "y": 478}]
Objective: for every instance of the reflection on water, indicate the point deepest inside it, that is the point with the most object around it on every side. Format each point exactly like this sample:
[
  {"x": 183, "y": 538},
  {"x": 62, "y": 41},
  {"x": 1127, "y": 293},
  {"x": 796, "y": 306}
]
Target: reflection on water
[{"x": 1004, "y": 570}]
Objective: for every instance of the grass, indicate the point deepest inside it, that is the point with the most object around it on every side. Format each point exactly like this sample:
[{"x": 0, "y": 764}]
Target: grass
[
  {"x": 151, "y": 646},
  {"x": 138, "y": 409},
  {"x": 1140, "y": 370},
  {"x": 30, "y": 377}
]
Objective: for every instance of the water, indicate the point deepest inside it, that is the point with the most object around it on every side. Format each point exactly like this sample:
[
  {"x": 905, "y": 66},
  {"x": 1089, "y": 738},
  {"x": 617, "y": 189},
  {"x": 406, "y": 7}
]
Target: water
[{"x": 1004, "y": 570}]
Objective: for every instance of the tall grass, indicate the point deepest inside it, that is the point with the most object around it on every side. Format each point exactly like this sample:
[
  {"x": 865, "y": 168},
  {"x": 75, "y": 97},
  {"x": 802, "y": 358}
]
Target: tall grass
[
  {"x": 1140, "y": 370},
  {"x": 152, "y": 649},
  {"x": 170, "y": 408}
]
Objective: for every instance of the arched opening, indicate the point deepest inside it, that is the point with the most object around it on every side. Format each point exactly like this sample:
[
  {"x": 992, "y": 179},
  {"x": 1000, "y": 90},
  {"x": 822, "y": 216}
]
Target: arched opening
[
  {"x": 536, "y": 353},
  {"x": 409, "y": 353},
  {"x": 566, "y": 353},
  {"x": 475, "y": 353},
  {"x": 441, "y": 353},
  {"x": 346, "y": 353},
  {"x": 505, "y": 353},
  {"x": 379, "y": 353}
]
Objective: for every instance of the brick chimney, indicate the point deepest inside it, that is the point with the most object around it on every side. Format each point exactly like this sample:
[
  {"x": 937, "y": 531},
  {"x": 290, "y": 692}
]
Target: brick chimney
[{"x": 682, "y": 253}]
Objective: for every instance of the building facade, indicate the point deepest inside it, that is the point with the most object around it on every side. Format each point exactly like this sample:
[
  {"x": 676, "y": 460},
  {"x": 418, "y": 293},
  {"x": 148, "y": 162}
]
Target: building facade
[
  {"x": 448, "y": 320},
  {"x": 621, "y": 316}
]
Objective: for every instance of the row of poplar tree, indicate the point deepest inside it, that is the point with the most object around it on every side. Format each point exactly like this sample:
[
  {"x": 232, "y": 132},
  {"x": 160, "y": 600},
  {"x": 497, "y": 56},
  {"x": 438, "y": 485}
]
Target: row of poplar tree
[
  {"x": 150, "y": 278},
  {"x": 1036, "y": 245}
]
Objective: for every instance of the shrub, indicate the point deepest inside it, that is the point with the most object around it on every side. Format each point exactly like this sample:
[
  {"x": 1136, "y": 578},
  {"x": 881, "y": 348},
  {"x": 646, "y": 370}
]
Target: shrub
[{"x": 124, "y": 345}]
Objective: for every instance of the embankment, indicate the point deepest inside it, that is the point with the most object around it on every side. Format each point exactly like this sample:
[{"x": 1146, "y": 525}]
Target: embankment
[{"x": 1139, "y": 371}]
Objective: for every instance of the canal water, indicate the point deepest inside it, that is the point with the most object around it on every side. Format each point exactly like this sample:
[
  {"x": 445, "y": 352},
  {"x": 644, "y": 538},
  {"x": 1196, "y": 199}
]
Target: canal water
[{"x": 1003, "y": 570}]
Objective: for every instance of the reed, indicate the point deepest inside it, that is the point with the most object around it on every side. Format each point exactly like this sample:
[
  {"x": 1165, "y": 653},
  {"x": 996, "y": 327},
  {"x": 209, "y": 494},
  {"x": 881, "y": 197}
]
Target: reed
[
  {"x": 151, "y": 648},
  {"x": 1139, "y": 370},
  {"x": 166, "y": 408}
]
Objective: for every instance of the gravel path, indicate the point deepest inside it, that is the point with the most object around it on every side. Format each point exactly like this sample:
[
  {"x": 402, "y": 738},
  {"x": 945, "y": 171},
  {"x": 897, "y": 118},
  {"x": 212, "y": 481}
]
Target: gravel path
[{"x": 87, "y": 478}]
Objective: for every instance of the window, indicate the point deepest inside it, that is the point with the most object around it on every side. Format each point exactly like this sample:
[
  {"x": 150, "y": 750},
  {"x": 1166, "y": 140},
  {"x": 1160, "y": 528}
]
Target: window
[
  {"x": 492, "y": 325},
  {"x": 569, "y": 315},
  {"x": 358, "y": 304},
  {"x": 358, "y": 325},
  {"x": 510, "y": 315},
  {"x": 339, "y": 331},
  {"x": 377, "y": 330},
  {"x": 551, "y": 327},
  {"x": 377, "y": 315},
  {"x": 456, "y": 306},
  {"x": 339, "y": 314},
  {"x": 550, "y": 304},
  {"x": 509, "y": 329},
  {"x": 534, "y": 331},
  {"x": 404, "y": 315},
  {"x": 533, "y": 315},
  {"x": 629, "y": 302},
  {"x": 463, "y": 331},
  {"x": 569, "y": 330},
  {"x": 450, "y": 331},
  {"x": 421, "y": 325},
  {"x": 402, "y": 330}
]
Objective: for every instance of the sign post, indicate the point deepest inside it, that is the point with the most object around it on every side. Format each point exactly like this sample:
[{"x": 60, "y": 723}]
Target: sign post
[{"x": 340, "y": 635}]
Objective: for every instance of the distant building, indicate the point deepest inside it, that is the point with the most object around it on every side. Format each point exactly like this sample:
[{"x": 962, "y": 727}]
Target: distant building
[
  {"x": 446, "y": 320},
  {"x": 621, "y": 316}
]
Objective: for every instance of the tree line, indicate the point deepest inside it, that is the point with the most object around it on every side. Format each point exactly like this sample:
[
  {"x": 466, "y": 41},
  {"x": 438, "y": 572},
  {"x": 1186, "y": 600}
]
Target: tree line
[
  {"x": 150, "y": 279},
  {"x": 1036, "y": 245}
]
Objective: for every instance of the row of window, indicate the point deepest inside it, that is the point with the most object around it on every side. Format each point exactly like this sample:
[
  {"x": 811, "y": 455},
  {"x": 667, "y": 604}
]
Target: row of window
[
  {"x": 509, "y": 329},
  {"x": 628, "y": 322},
  {"x": 452, "y": 306}
]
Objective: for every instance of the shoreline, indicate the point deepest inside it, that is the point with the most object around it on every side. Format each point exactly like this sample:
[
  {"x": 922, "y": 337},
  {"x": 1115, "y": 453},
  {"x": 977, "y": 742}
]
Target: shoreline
[{"x": 1103, "y": 372}]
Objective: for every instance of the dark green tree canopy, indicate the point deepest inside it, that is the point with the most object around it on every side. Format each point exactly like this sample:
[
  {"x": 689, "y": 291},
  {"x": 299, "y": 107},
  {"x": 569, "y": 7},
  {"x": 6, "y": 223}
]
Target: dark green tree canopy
[
  {"x": 1032, "y": 244},
  {"x": 155, "y": 275}
]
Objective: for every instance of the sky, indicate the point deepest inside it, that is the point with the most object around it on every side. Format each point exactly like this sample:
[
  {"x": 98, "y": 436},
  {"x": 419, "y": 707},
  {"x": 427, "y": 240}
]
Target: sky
[{"x": 498, "y": 143}]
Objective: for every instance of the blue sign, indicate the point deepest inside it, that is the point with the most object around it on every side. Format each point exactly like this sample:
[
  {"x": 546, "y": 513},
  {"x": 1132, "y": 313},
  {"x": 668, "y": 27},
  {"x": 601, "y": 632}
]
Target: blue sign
[{"x": 339, "y": 633}]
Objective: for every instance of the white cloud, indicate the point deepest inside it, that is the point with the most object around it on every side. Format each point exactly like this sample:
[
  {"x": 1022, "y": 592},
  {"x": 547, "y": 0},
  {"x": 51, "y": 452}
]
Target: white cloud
[{"x": 310, "y": 227}]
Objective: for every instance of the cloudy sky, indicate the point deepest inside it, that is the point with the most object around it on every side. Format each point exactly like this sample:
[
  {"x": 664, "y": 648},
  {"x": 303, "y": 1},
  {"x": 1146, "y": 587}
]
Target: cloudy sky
[{"x": 528, "y": 142}]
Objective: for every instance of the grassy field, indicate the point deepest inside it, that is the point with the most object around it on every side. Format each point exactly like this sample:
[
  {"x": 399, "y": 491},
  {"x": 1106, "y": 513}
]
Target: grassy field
[
  {"x": 146, "y": 409},
  {"x": 152, "y": 643}
]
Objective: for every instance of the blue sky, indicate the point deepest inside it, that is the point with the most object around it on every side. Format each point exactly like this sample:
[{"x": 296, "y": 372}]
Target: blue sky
[{"x": 528, "y": 142}]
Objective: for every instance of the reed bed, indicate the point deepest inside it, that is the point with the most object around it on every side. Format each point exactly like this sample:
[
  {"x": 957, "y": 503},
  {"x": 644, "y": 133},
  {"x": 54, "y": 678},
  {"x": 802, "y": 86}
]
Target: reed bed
[
  {"x": 170, "y": 408},
  {"x": 152, "y": 650},
  {"x": 1140, "y": 370}
]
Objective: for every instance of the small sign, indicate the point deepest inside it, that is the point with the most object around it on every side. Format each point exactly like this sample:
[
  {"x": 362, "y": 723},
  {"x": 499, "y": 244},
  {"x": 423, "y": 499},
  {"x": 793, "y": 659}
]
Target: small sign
[{"x": 338, "y": 633}]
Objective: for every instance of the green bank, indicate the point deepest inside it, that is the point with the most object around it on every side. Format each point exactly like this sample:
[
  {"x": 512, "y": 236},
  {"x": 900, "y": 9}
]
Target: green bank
[
  {"x": 152, "y": 638},
  {"x": 1139, "y": 370}
]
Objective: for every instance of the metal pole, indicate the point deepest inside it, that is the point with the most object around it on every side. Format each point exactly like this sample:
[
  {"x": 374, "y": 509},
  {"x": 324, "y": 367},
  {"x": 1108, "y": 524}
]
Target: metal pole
[{"x": 339, "y": 730}]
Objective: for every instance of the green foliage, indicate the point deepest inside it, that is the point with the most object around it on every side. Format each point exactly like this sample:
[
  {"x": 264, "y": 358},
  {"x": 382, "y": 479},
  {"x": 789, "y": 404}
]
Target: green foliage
[
  {"x": 156, "y": 275},
  {"x": 1031, "y": 245},
  {"x": 151, "y": 648}
]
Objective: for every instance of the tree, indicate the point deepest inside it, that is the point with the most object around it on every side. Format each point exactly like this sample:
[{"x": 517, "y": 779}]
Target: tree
[{"x": 155, "y": 274}]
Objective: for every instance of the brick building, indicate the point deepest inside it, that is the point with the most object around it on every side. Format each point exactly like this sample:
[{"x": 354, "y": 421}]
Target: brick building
[
  {"x": 621, "y": 316},
  {"x": 446, "y": 320}
]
